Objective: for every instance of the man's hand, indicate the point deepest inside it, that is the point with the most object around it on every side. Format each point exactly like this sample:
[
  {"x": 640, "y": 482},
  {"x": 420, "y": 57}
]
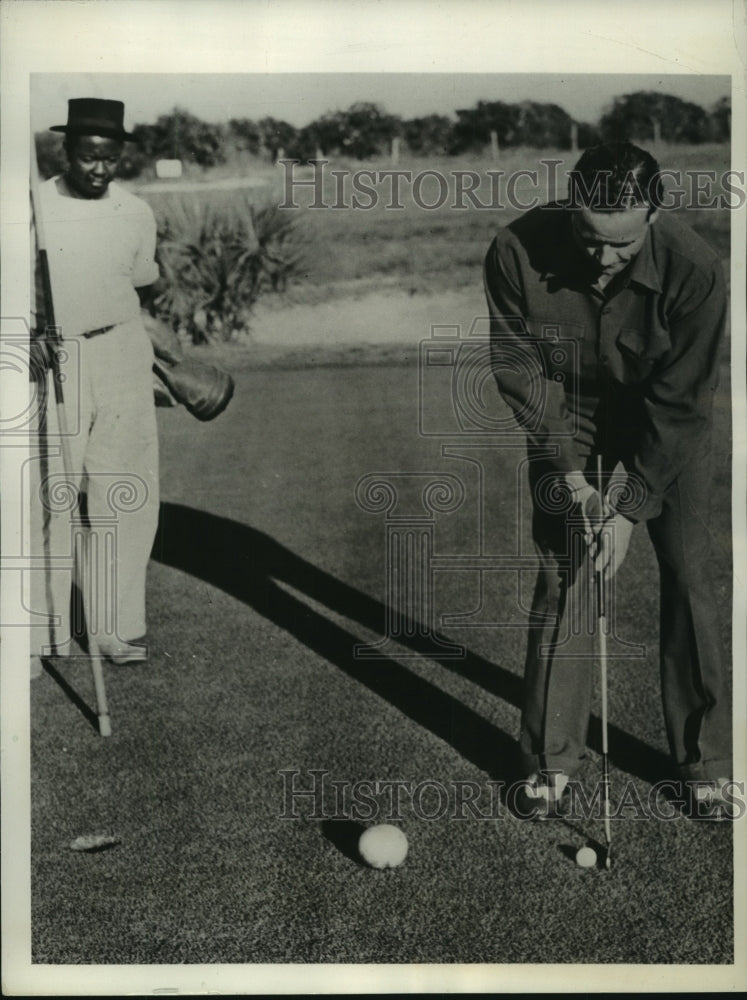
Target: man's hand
[
  {"x": 165, "y": 342},
  {"x": 40, "y": 358},
  {"x": 612, "y": 545},
  {"x": 587, "y": 498}
]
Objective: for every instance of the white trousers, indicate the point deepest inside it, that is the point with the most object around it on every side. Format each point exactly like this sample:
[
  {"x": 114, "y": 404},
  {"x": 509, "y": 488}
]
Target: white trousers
[{"x": 108, "y": 403}]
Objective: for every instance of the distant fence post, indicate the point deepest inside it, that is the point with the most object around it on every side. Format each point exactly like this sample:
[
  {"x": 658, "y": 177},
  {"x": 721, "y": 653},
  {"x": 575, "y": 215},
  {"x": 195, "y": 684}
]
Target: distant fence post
[
  {"x": 574, "y": 137},
  {"x": 493, "y": 145},
  {"x": 395, "y": 151},
  {"x": 657, "y": 131}
]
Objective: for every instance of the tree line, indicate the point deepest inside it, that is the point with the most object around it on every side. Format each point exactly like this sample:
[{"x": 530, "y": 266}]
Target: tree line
[{"x": 366, "y": 130}]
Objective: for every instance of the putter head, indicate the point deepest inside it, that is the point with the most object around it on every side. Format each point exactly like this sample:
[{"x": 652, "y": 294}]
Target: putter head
[{"x": 608, "y": 858}]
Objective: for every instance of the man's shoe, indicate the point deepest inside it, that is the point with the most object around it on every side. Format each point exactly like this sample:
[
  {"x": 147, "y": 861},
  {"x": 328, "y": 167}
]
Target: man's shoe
[
  {"x": 122, "y": 653},
  {"x": 710, "y": 801},
  {"x": 541, "y": 796},
  {"x": 36, "y": 668},
  {"x": 61, "y": 652}
]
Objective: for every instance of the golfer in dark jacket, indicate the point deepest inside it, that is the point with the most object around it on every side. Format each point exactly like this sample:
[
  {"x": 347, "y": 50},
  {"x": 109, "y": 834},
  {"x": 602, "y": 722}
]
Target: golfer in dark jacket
[{"x": 607, "y": 321}]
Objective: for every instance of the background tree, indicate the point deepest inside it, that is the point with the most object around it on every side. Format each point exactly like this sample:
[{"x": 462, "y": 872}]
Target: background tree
[
  {"x": 635, "y": 117},
  {"x": 322, "y": 135},
  {"x": 275, "y": 134},
  {"x": 430, "y": 135},
  {"x": 245, "y": 135},
  {"x": 721, "y": 120},
  {"x": 543, "y": 126},
  {"x": 181, "y": 136},
  {"x": 588, "y": 135},
  {"x": 368, "y": 130},
  {"x": 528, "y": 123},
  {"x": 471, "y": 132},
  {"x": 362, "y": 131}
]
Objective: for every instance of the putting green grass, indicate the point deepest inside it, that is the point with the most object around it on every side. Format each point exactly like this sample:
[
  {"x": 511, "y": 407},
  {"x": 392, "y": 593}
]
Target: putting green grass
[{"x": 265, "y": 576}]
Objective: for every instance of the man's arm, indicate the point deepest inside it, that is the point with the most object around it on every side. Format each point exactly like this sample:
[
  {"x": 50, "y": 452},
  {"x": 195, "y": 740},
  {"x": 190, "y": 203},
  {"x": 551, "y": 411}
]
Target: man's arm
[
  {"x": 678, "y": 400},
  {"x": 538, "y": 402},
  {"x": 165, "y": 342}
]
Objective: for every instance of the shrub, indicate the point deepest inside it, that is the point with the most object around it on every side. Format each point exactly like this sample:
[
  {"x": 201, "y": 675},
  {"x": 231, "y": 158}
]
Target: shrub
[
  {"x": 216, "y": 258},
  {"x": 50, "y": 155}
]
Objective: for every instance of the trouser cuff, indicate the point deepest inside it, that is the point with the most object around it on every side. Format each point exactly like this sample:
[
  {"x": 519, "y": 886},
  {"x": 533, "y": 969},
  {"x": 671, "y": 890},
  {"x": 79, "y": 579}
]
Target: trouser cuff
[
  {"x": 706, "y": 770},
  {"x": 538, "y": 763}
]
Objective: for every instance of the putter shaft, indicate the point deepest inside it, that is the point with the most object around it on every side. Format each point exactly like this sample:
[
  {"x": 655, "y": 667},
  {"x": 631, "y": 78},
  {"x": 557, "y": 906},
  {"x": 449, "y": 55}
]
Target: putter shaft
[{"x": 601, "y": 597}]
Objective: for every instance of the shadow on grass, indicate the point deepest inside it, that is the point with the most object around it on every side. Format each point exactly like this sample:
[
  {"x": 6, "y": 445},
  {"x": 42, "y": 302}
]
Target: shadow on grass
[
  {"x": 344, "y": 834},
  {"x": 83, "y": 707},
  {"x": 248, "y": 565}
]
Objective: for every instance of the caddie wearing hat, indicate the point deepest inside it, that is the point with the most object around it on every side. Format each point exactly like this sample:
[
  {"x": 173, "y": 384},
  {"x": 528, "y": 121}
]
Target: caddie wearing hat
[{"x": 100, "y": 243}]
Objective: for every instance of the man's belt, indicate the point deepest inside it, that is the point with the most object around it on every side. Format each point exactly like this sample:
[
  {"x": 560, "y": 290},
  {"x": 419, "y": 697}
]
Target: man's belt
[{"x": 95, "y": 333}]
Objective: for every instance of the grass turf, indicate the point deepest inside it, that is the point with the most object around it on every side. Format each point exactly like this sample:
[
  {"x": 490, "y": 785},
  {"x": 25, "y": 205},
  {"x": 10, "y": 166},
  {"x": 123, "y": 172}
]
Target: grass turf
[{"x": 265, "y": 575}]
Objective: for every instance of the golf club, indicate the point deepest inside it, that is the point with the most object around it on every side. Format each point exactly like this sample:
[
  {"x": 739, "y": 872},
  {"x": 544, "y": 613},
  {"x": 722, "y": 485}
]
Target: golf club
[
  {"x": 602, "y": 652},
  {"x": 53, "y": 340}
]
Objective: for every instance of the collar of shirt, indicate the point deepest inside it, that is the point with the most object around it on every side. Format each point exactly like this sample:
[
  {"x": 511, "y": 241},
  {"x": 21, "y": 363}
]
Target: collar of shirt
[
  {"x": 643, "y": 269},
  {"x": 570, "y": 262}
]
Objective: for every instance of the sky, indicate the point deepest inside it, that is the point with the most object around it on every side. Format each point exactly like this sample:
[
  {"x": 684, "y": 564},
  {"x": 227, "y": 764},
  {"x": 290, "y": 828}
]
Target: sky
[{"x": 299, "y": 98}]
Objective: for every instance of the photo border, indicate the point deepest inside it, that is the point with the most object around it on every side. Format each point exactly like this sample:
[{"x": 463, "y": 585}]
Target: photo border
[{"x": 60, "y": 36}]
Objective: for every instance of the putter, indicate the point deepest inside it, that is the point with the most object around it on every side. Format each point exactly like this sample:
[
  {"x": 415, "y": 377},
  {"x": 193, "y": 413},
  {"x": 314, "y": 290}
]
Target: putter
[
  {"x": 601, "y": 598},
  {"x": 93, "y": 650}
]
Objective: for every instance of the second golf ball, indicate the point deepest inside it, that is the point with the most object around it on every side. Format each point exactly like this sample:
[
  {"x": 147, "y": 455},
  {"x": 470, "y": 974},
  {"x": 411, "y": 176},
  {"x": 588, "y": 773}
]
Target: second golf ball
[{"x": 586, "y": 857}]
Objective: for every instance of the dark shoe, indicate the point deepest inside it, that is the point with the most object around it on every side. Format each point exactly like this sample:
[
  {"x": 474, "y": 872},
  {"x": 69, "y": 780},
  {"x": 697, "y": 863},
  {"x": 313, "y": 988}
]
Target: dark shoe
[
  {"x": 541, "y": 796},
  {"x": 710, "y": 801}
]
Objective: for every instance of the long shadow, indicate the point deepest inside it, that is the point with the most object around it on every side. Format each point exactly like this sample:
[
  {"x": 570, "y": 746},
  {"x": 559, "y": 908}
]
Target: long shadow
[
  {"x": 84, "y": 708},
  {"x": 248, "y": 564}
]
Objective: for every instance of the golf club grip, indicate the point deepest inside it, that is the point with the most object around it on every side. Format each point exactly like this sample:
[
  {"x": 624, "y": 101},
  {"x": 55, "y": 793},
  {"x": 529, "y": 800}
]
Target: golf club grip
[
  {"x": 50, "y": 324},
  {"x": 49, "y": 316},
  {"x": 41, "y": 238}
]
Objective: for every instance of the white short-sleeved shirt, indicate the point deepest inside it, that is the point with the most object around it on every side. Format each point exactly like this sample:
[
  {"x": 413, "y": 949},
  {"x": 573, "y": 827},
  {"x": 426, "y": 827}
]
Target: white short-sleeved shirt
[{"x": 99, "y": 250}]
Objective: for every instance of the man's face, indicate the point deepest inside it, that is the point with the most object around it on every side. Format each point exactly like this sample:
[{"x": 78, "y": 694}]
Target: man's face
[
  {"x": 92, "y": 163},
  {"x": 612, "y": 239}
]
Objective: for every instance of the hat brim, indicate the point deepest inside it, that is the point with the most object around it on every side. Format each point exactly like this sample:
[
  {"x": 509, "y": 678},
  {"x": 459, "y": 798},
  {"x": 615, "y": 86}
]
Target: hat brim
[{"x": 105, "y": 133}]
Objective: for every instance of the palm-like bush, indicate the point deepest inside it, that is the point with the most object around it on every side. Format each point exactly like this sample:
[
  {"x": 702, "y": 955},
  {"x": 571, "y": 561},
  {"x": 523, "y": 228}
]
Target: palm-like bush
[{"x": 216, "y": 258}]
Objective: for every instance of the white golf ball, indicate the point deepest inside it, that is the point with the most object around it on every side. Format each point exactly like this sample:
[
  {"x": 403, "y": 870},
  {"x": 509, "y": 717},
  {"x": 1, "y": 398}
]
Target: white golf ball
[
  {"x": 586, "y": 857},
  {"x": 383, "y": 846}
]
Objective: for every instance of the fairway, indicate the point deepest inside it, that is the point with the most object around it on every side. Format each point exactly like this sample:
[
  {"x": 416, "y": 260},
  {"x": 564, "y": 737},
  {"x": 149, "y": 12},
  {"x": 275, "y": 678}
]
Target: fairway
[{"x": 267, "y": 573}]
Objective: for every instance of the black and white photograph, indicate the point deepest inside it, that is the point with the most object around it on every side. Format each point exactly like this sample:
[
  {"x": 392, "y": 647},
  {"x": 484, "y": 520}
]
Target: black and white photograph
[{"x": 372, "y": 467}]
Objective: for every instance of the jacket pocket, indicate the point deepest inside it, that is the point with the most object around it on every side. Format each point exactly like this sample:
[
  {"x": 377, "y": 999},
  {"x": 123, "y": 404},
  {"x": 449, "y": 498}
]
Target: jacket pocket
[
  {"x": 635, "y": 357},
  {"x": 646, "y": 346}
]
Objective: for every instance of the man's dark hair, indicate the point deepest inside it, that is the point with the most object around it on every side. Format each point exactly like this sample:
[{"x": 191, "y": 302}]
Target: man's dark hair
[{"x": 615, "y": 176}]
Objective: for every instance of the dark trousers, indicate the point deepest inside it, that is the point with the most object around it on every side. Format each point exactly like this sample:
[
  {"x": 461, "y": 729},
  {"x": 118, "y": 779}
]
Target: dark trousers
[{"x": 561, "y": 658}]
